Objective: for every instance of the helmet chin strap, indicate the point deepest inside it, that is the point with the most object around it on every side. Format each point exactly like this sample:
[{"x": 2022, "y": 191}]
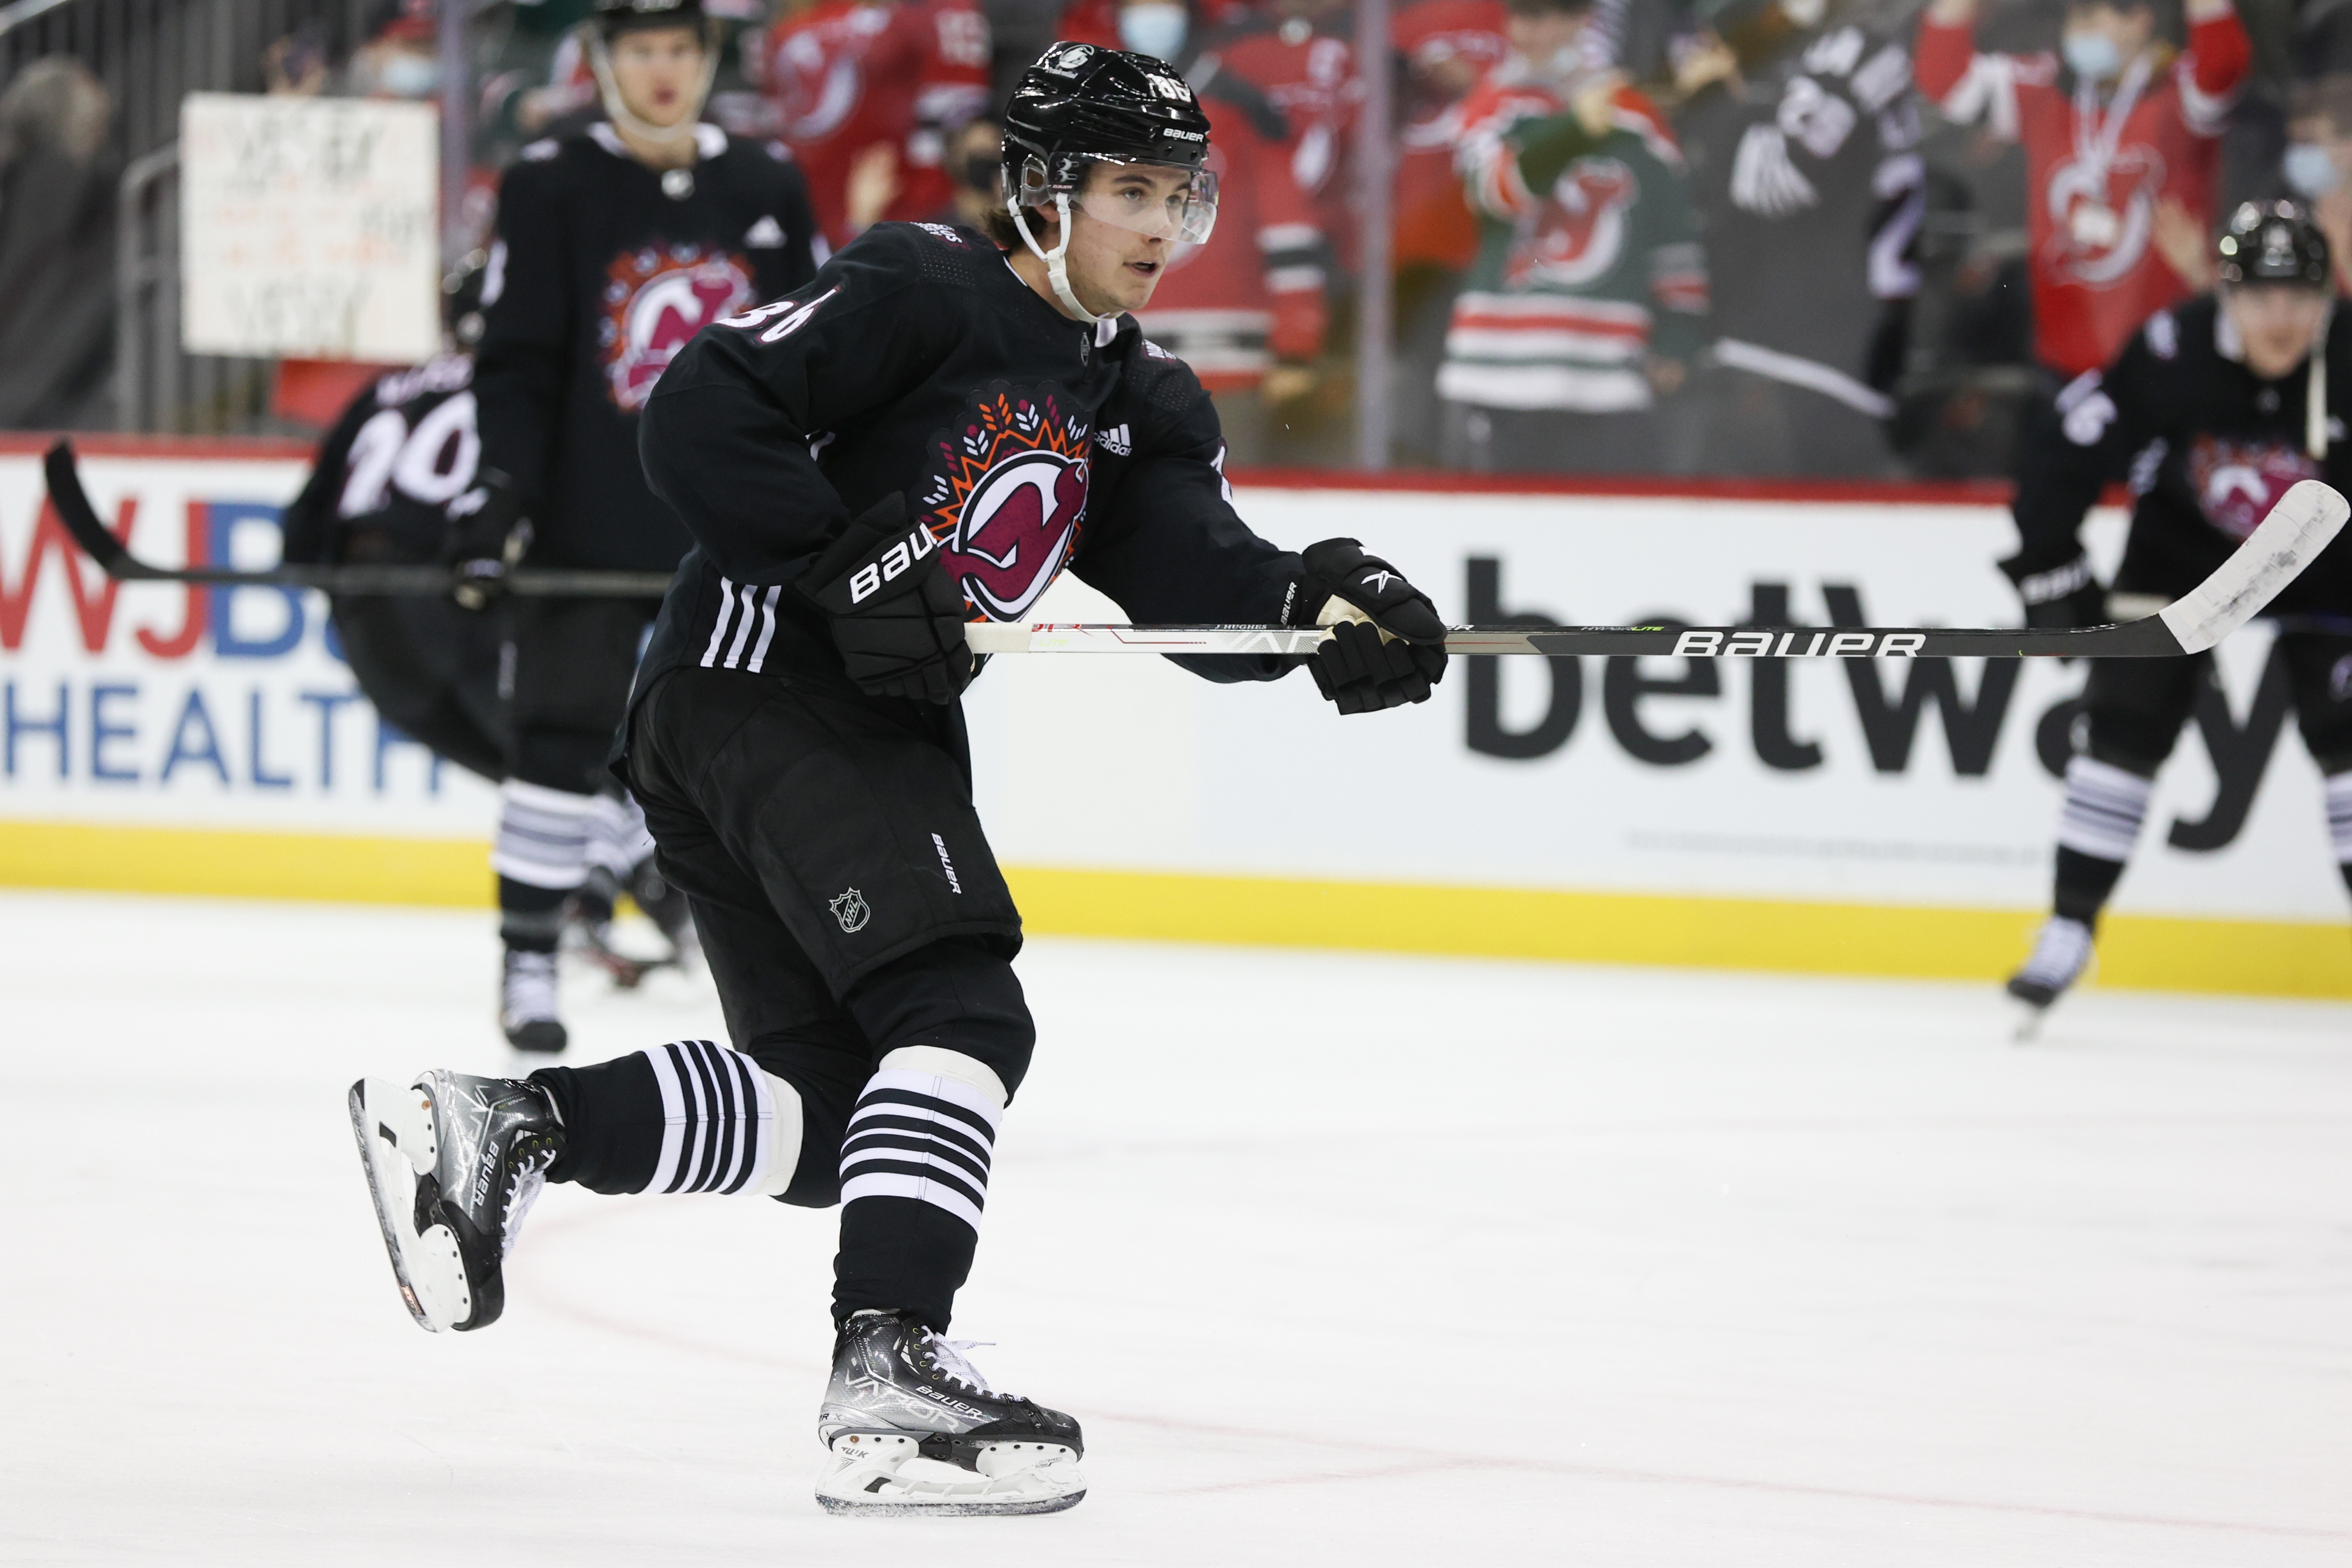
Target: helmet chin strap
[
  {"x": 600, "y": 61},
  {"x": 1056, "y": 260}
]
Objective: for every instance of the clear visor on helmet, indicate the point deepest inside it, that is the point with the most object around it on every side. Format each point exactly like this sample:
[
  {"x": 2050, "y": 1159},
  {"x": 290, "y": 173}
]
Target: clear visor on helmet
[{"x": 1166, "y": 201}]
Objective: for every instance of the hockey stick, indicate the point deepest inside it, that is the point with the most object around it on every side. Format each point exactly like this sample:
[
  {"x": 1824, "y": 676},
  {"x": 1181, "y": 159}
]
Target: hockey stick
[
  {"x": 2306, "y": 518},
  {"x": 81, "y": 522}
]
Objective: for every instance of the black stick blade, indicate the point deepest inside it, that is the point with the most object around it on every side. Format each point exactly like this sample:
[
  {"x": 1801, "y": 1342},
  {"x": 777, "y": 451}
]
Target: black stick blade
[{"x": 80, "y": 519}]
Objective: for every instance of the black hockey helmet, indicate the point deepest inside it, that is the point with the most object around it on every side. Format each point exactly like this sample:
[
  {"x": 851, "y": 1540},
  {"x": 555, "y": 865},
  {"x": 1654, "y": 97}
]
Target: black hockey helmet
[
  {"x": 2273, "y": 241},
  {"x": 614, "y": 17},
  {"x": 1081, "y": 103}
]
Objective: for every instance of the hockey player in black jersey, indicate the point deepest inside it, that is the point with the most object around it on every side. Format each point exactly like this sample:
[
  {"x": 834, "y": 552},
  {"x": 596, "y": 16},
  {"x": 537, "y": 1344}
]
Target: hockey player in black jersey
[
  {"x": 928, "y": 433},
  {"x": 399, "y": 467},
  {"x": 614, "y": 248},
  {"x": 2212, "y": 413}
]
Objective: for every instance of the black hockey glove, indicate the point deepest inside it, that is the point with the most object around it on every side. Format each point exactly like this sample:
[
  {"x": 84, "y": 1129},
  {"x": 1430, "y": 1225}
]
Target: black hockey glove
[
  {"x": 897, "y": 617},
  {"x": 1387, "y": 646},
  {"x": 487, "y": 535},
  {"x": 2059, "y": 597}
]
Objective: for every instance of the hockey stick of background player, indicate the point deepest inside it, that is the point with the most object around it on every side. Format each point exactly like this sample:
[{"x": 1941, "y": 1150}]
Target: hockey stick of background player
[
  {"x": 2302, "y": 523},
  {"x": 81, "y": 522}
]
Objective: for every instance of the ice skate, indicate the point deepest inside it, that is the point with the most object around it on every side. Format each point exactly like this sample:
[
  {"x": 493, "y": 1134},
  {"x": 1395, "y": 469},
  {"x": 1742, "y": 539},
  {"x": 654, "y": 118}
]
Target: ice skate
[
  {"x": 2060, "y": 954},
  {"x": 527, "y": 1009},
  {"x": 454, "y": 1164},
  {"x": 911, "y": 1426}
]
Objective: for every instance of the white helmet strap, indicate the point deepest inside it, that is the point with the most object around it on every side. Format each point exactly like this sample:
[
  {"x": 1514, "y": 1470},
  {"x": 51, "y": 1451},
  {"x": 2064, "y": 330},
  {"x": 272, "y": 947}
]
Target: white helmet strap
[
  {"x": 1056, "y": 260},
  {"x": 600, "y": 60}
]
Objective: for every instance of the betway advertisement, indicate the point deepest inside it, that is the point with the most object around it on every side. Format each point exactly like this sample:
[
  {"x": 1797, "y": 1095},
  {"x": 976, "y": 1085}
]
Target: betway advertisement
[{"x": 1895, "y": 782}]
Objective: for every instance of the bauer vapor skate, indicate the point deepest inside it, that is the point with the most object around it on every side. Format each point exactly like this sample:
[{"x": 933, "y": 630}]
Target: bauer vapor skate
[
  {"x": 2061, "y": 953},
  {"x": 453, "y": 1163},
  {"x": 911, "y": 1426}
]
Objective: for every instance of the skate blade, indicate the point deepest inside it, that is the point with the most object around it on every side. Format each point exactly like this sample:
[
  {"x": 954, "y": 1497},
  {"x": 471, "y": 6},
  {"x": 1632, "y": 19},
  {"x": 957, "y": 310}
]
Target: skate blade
[
  {"x": 898, "y": 1480},
  {"x": 2026, "y": 1021},
  {"x": 394, "y": 1124}
]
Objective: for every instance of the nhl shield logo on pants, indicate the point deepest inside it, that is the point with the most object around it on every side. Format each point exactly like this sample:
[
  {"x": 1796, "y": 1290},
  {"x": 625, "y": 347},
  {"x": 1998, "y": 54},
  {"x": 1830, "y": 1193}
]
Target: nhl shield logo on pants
[{"x": 851, "y": 910}]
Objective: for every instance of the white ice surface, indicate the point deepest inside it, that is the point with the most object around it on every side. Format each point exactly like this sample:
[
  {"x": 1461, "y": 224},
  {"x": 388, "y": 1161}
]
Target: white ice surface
[{"x": 1339, "y": 1260}]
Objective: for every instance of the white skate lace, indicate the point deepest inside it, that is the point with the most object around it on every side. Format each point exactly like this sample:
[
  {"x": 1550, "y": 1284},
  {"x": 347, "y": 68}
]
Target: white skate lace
[
  {"x": 946, "y": 1355},
  {"x": 529, "y": 1181},
  {"x": 2059, "y": 954}
]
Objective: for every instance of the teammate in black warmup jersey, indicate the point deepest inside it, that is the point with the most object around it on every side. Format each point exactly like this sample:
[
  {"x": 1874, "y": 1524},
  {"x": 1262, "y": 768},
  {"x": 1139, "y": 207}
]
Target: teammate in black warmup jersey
[
  {"x": 2212, "y": 411},
  {"x": 927, "y": 434},
  {"x": 399, "y": 467},
  {"x": 614, "y": 247}
]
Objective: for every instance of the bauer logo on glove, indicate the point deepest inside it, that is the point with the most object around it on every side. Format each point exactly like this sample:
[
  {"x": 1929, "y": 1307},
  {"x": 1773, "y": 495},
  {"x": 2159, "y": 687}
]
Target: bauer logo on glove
[
  {"x": 896, "y": 617},
  {"x": 1387, "y": 645}
]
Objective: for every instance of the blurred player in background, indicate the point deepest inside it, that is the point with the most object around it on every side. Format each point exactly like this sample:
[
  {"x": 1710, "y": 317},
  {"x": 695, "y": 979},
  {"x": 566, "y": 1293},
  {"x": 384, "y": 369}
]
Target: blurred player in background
[
  {"x": 871, "y": 91},
  {"x": 1588, "y": 297},
  {"x": 2212, "y": 411},
  {"x": 928, "y": 434},
  {"x": 2119, "y": 136},
  {"x": 614, "y": 248},
  {"x": 1805, "y": 164}
]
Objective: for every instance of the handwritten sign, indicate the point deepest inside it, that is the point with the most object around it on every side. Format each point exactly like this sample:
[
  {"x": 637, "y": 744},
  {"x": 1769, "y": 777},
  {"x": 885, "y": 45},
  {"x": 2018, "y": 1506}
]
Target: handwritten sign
[{"x": 309, "y": 227}]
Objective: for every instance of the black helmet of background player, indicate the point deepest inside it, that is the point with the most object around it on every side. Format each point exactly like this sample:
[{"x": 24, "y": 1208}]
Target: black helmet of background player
[
  {"x": 1080, "y": 105},
  {"x": 2273, "y": 241},
  {"x": 614, "y": 19},
  {"x": 461, "y": 301}
]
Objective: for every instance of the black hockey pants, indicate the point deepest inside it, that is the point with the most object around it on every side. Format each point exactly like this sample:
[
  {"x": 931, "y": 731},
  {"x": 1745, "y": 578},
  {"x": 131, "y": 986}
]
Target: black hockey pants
[{"x": 848, "y": 905}]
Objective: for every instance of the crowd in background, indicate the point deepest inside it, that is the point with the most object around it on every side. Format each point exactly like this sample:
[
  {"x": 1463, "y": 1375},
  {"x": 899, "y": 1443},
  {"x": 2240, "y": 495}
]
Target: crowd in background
[{"x": 1800, "y": 238}]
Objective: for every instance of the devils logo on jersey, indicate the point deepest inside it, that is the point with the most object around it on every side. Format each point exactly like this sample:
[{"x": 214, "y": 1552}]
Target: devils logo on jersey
[
  {"x": 2102, "y": 212},
  {"x": 2238, "y": 482},
  {"x": 655, "y": 300},
  {"x": 1579, "y": 231},
  {"x": 1009, "y": 498}
]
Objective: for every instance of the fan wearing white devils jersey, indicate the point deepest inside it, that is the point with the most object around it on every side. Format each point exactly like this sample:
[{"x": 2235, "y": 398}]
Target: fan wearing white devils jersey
[{"x": 928, "y": 434}]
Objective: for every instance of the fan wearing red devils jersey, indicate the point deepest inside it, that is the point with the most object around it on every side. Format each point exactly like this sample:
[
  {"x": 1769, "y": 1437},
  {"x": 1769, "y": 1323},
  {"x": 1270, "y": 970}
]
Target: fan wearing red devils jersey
[
  {"x": 888, "y": 79},
  {"x": 2212, "y": 411},
  {"x": 2112, "y": 130},
  {"x": 939, "y": 425},
  {"x": 613, "y": 248}
]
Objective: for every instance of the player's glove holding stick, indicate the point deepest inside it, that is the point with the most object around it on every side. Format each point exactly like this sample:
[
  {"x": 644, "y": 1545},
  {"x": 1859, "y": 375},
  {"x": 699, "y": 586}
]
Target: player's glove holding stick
[
  {"x": 1387, "y": 646},
  {"x": 896, "y": 616},
  {"x": 487, "y": 536},
  {"x": 2059, "y": 596}
]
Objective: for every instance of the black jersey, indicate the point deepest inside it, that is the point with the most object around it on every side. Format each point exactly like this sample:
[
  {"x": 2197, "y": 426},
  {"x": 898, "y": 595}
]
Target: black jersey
[
  {"x": 403, "y": 451},
  {"x": 403, "y": 455},
  {"x": 602, "y": 270},
  {"x": 2207, "y": 447},
  {"x": 919, "y": 362}
]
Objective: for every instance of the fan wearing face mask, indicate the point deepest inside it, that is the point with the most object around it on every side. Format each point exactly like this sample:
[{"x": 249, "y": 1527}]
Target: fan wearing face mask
[
  {"x": 2117, "y": 131},
  {"x": 2317, "y": 164}
]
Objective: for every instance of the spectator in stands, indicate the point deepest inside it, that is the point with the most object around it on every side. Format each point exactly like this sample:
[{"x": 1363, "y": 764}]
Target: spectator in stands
[
  {"x": 2318, "y": 163},
  {"x": 1588, "y": 295},
  {"x": 57, "y": 248},
  {"x": 1443, "y": 48},
  {"x": 869, "y": 93},
  {"x": 2115, "y": 128},
  {"x": 975, "y": 158},
  {"x": 1804, "y": 147},
  {"x": 1283, "y": 84}
]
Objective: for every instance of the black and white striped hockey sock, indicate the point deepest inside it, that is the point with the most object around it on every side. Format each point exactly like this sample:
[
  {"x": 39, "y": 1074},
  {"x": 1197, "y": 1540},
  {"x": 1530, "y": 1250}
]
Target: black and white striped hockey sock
[
  {"x": 2104, "y": 807},
  {"x": 924, "y": 1128},
  {"x": 913, "y": 1177},
  {"x": 688, "y": 1116},
  {"x": 543, "y": 838},
  {"x": 617, "y": 838}
]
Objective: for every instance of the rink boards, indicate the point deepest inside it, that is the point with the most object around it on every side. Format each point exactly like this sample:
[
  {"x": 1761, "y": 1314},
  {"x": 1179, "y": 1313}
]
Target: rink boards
[{"x": 1887, "y": 817}]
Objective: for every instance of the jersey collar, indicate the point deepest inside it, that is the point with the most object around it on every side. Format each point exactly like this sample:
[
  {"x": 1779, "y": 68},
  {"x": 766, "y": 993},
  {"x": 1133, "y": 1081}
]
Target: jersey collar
[{"x": 710, "y": 140}]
